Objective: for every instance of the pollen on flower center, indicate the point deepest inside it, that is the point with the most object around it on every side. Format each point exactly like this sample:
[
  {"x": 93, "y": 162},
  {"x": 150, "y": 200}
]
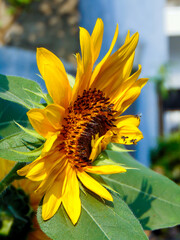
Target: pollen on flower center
[{"x": 91, "y": 114}]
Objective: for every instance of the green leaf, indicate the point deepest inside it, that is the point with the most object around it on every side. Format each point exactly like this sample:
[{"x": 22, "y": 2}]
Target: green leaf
[
  {"x": 21, "y": 142},
  {"x": 153, "y": 198},
  {"x": 10, "y": 112},
  {"x": 117, "y": 147},
  {"x": 36, "y": 152},
  {"x": 97, "y": 221},
  {"x": 30, "y": 132},
  {"x": 71, "y": 80},
  {"x": 15, "y": 89}
]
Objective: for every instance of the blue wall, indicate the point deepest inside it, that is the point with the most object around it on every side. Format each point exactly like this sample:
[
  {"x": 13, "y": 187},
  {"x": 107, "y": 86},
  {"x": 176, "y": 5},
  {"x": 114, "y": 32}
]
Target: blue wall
[{"x": 19, "y": 62}]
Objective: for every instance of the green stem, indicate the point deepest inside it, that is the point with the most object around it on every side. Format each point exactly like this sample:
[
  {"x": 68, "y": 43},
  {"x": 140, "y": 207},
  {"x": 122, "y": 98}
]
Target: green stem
[{"x": 11, "y": 176}]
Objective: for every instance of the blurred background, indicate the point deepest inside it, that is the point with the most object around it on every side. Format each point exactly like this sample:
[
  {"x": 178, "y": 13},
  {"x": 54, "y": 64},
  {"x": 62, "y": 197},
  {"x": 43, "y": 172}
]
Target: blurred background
[{"x": 28, "y": 24}]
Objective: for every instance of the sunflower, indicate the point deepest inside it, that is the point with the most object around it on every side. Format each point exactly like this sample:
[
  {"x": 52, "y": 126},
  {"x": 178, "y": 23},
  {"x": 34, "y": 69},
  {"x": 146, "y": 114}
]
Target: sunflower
[
  {"x": 83, "y": 120},
  {"x": 13, "y": 197}
]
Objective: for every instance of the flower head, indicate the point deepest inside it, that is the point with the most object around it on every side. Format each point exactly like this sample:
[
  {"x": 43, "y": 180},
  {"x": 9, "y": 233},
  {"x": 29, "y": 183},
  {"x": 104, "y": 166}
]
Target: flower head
[
  {"x": 20, "y": 200},
  {"x": 83, "y": 120}
]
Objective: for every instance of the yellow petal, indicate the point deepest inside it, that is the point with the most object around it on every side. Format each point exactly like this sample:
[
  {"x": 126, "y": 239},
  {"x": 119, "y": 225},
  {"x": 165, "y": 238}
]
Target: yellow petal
[
  {"x": 127, "y": 134},
  {"x": 116, "y": 68},
  {"x": 128, "y": 120},
  {"x": 39, "y": 121},
  {"x": 48, "y": 120},
  {"x": 84, "y": 66},
  {"x": 96, "y": 147},
  {"x": 52, "y": 200},
  {"x": 98, "y": 144},
  {"x": 49, "y": 145},
  {"x": 23, "y": 171},
  {"x": 71, "y": 198},
  {"x": 86, "y": 51},
  {"x": 34, "y": 171},
  {"x": 54, "y": 74},
  {"x": 80, "y": 69},
  {"x": 55, "y": 115},
  {"x": 127, "y": 37},
  {"x": 94, "y": 186},
  {"x": 118, "y": 94},
  {"x": 59, "y": 167},
  {"x": 98, "y": 67},
  {"x": 133, "y": 93},
  {"x": 96, "y": 37},
  {"x": 39, "y": 169},
  {"x": 106, "y": 169},
  {"x": 58, "y": 88},
  {"x": 54, "y": 195},
  {"x": 127, "y": 69},
  {"x": 106, "y": 140},
  {"x": 130, "y": 95}
]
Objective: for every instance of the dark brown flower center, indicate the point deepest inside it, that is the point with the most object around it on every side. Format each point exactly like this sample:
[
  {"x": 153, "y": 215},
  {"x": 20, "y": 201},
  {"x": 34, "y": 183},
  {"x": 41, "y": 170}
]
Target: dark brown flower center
[{"x": 91, "y": 114}]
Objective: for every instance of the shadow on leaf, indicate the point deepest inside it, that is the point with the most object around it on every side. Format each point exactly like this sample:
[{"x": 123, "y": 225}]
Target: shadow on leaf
[{"x": 142, "y": 203}]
